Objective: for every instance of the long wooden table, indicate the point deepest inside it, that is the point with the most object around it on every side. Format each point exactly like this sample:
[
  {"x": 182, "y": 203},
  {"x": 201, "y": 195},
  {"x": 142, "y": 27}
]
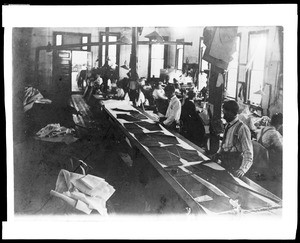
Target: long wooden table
[{"x": 205, "y": 186}]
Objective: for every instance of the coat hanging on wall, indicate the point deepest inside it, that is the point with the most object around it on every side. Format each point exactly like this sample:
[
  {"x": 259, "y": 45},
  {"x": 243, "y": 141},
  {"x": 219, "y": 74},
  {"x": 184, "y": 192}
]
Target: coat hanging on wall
[{"x": 220, "y": 45}]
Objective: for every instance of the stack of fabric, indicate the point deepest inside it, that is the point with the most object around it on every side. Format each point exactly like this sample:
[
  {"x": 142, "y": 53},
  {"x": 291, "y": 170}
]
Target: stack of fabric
[
  {"x": 31, "y": 96},
  {"x": 83, "y": 192},
  {"x": 56, "y": 133}
]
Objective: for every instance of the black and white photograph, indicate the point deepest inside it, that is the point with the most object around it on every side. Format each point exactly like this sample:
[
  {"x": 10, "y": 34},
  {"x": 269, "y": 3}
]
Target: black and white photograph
[{"x": 151, "y": 122}]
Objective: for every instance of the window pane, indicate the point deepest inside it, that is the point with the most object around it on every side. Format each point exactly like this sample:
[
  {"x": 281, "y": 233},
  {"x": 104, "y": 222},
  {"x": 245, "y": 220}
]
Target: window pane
[
  {"x": 180, "y": 59},
  {"x": 256, "y": 83},
  {"x": 256, "y": 61},
  {"x": 232, "y": 71},
  {"x": 156, "y": 65},
  {"x": 58, "y": 40},
  {"x": 231, "y": 83},
  {"x": 112, "y": 52},
  {"x": 112, "y": 38},
  {"x": 157, "y": 51},
  {"x": 84, "y": 39}
]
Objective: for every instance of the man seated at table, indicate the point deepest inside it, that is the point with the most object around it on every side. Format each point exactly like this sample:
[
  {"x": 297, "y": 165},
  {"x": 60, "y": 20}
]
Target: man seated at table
[
  {"x": 160, "y": 99},
  {"x": 172, "y": 117}
]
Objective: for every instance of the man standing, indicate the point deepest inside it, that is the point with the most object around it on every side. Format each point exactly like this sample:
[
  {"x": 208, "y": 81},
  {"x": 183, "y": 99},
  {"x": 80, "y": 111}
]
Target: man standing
[
  {"x": 236, "y": 150},
  {"x": 173, "y": 113}
]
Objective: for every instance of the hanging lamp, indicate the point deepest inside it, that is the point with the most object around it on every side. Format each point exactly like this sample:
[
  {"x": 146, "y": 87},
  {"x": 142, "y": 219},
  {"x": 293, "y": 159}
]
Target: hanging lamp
[{"x": 155, "y": 37}]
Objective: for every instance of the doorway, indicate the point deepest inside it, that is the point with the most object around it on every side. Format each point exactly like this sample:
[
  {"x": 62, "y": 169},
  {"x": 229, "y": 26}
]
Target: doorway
[{"x": 80, "y": 61}]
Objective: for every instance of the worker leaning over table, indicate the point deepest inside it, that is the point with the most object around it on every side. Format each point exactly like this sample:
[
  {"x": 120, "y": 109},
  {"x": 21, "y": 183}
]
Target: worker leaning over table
[
  {"x": 236, "y": 149},
  {"x": 172, "y": 117}
]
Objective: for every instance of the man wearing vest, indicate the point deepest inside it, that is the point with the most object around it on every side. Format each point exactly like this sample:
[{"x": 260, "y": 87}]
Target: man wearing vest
[{"x": 236, "y": 150}]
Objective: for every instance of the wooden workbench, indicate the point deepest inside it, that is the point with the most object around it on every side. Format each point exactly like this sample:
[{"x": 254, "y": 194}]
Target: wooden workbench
[{"x": 199, "y": 183}]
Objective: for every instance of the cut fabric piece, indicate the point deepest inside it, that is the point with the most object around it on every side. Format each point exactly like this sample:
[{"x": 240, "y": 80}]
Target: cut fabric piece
[
  {"x": 186, "y": 154},
  {"x": 163, "y": 138},
  {"x": 154, "y": 139},
  {"x": 84, "y": 192},
  {"x": 164, "y": 156},
  {"x": 133, "y": 128},
  {"x": 146, "y": 140},
  {"x": 149, "y": 126},
  {"x": 123, "y": 110},
  {"x": 138, "y": 115},
  {"x": 127, "y": 117}
]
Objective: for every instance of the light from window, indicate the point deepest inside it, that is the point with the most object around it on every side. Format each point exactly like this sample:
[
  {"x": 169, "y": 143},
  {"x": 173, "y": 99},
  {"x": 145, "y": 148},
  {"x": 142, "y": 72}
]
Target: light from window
[
  {"x": 112, "y": 49},
  {"x": 232, "y": 71},
  {"x": 256, "y": 65},
  {"x": 58, "y": 40},
  {"x": 157, "y": 59},
  {"x": 179, "y": 53},
  {"x": 204, "y": 64}
]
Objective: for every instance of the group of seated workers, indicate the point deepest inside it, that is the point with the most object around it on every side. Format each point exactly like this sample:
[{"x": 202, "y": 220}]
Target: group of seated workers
[{"x": 177, "y": 111}]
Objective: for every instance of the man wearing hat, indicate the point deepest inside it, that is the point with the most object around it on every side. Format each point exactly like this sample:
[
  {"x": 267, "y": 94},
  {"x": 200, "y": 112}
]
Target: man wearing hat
[{"x": 236, "y": 150}]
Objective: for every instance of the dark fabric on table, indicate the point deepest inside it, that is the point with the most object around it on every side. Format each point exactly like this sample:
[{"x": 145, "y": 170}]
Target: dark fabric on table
[
  {"x": 186, "y": 154},
  {"x": 196, "y": 189},
  {"x": 149, "y": 126},
  {"x": 224, "y": 181},
  {"x": 163, "y": 138},
  {"x": 164, "y": 156},
  {"x": 133, "y": 128},
  {"x": 127, "y": 117},
  {"x": 138, "y": 115},
  {"x": 117, "y": 109}
]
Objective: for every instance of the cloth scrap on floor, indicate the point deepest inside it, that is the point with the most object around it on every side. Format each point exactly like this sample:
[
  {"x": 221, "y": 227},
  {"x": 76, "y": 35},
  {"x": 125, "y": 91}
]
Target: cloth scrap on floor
[
  {"x": 56, "y": 133},
  {"x": 83, "y": 192},
  {"x": 31, "y": 96}
]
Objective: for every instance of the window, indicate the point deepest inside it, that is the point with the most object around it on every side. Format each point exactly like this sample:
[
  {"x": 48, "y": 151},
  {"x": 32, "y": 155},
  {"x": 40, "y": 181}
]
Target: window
[
  {"x": 256, "y": 65},
  {"x": 158, "y": 53},
  {"x": 157, "y": 59},
  {"x": 72, "y": 38},
  {"x": 179, "y": 55},
  {"x": 232, "y": 71},
  {"x": 111, "y": 51},
  {"x": 84, "y": 39},
  {"x": 58, "y": 40}
]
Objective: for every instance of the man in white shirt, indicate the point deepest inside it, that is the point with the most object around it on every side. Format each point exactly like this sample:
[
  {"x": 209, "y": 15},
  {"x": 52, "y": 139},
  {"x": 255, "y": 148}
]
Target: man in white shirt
[{"x": 173, "y": 113}]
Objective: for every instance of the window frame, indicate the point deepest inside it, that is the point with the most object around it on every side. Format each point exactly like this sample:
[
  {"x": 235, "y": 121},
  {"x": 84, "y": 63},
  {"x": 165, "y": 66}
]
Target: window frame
[
  {"x": 64, "y": 33},
  {"x": 104, "y": 33},
  {"x": 248, "y": 72},
  {"x": 177, "y": 54},
  {"x": 239, "y": 35},
  {"x": 165, "y": 55}
]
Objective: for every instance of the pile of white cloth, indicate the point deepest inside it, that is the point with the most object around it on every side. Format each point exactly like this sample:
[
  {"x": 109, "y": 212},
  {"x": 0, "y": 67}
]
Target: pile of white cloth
[
  {"x": 56, "y": 133},
  {"x": 54, "y": 130},
  {"x": 83, "y": 192}
]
